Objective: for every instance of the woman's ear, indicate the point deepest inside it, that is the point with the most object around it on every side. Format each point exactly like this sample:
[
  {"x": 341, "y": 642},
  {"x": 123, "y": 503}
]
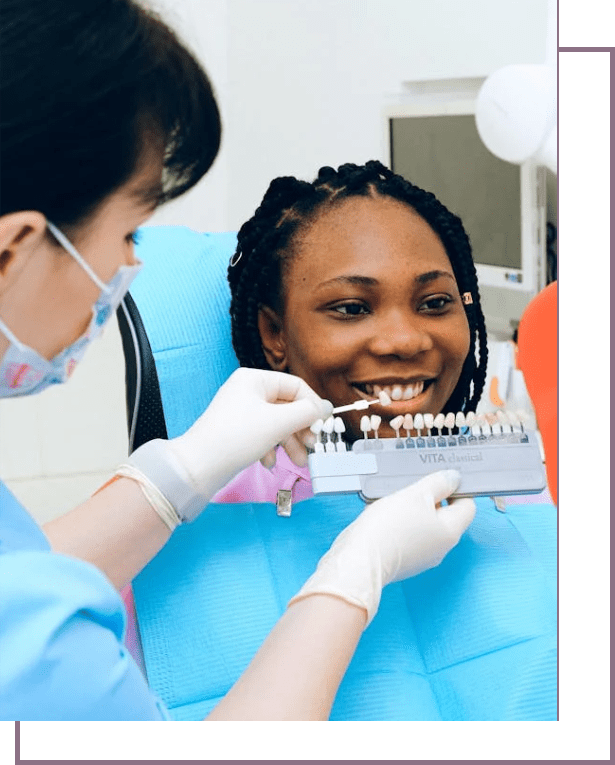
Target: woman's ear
[{"x": 272, "y": 338}]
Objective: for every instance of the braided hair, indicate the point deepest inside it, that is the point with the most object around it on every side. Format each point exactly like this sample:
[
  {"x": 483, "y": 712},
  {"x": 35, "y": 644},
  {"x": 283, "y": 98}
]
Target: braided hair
[{"x": 266, "y": 242}]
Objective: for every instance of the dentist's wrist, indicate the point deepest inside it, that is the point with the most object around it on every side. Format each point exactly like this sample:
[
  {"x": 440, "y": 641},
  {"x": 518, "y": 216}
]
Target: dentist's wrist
[{"x": 160, "y": 465}]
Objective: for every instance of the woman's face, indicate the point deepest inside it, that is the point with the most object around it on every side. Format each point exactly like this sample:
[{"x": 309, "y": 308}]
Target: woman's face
[{"x": 370, "y": 304}]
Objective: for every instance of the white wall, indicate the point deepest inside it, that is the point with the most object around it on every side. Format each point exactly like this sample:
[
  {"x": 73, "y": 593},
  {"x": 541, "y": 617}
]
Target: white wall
[
  {"x": 314, "y": 95},
  {"x": 301, "y": 83}
]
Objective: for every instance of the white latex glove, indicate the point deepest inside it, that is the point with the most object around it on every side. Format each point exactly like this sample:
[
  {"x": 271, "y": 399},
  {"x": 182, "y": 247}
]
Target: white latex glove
[
  {"x": 251, "y": 413},
  {"x": 394, "y": 538}
]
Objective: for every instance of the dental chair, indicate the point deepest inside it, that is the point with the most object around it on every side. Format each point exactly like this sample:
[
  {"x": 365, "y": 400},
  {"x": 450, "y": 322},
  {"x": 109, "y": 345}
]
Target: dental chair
[
  {"x": 182, "y": 298},
  {"x": 473, "y": 639}
]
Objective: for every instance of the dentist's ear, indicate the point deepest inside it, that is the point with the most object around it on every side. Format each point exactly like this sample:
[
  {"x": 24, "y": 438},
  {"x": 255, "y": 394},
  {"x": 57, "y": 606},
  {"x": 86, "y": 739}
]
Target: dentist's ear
[
  {"x": 21, "y": 233},
  {"x": 273, "y": 339}
]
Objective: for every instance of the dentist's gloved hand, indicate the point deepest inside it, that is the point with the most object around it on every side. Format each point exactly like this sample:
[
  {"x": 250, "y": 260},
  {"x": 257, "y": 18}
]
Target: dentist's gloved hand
[
  {"x": 251, "y": 413},
  {"x": 394, "y": 538}
]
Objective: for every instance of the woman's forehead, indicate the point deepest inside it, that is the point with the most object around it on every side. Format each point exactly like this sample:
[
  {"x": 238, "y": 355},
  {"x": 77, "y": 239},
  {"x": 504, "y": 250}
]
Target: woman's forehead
[{"x": 367, "y": 233}]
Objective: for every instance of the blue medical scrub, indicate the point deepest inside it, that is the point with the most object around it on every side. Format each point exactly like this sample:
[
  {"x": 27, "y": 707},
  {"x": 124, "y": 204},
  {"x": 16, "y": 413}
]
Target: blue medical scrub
[{"x": 61, "y": 630}]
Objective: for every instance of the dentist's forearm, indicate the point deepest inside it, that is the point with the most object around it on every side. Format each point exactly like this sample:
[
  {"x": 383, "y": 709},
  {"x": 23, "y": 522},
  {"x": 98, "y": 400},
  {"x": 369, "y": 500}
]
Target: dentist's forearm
[
  {"x": 117, "y": 530},
  {"x": 297, "y": 671}
]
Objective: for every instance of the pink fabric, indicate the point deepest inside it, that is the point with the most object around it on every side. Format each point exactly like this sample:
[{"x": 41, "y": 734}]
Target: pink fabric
[
  {"x": 258, "y": 484},
  {"x": 254, "y": 484}
]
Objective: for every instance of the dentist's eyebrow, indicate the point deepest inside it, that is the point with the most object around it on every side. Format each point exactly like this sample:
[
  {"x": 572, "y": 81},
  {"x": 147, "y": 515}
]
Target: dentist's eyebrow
[{"x": 149, "y": 196}]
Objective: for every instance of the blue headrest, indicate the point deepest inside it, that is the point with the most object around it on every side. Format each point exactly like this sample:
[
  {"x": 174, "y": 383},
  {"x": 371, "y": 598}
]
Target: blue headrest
[
  {"x": 183, "y": 297},
  {"x": 473, "y": 639}
]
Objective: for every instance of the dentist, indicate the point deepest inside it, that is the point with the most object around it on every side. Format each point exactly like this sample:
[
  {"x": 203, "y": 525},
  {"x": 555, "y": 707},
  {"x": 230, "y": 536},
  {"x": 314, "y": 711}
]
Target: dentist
[{"x": 106, "y": 115}]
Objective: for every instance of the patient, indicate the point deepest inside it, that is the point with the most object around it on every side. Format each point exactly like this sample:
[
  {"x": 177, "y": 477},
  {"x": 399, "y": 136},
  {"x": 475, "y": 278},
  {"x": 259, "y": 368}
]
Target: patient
[{"x": 359, "y": 282}]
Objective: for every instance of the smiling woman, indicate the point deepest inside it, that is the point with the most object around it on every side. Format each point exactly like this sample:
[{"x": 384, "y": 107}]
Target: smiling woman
[{"x": 361, "y": 282}]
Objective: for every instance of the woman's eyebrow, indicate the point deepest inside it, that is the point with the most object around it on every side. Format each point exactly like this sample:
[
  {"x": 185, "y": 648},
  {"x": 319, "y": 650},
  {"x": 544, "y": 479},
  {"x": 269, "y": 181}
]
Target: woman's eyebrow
[
  {"x": 431, "y": 276},
  {"x": 369, "y": 281},
  {"x": 363, "y": 281}
]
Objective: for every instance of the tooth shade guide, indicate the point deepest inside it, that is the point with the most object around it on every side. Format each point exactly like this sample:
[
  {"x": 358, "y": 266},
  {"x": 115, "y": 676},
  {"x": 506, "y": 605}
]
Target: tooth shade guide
[
  {"x": 375, "y": 421},
  {"x": 523, "y": 419},
  {"x": 470, "y": 419},
  {"x": 449, "y": 422},
  {"x": 504, "y": 420},
  {"x": 481, "y": 424},
  {"x": 397, "y": 423},
  {"x": 419, "y": 423},
  {"x": 514, "y": 421},
  {"x": 317, "y": 427},
  {"x": 492, "y": 422},
  {"x": 328, "y": 425},
  {"x": 428, "y": 421},
  {"x": 460, "y": 420},
  {"x": 439, "y": 423},
  {"x": 408, "y": 424},
  {"x": 366, "y": 425}
]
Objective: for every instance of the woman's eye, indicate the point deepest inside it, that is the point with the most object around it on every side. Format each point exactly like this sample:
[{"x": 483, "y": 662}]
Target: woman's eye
[
  {"x": 351, "y": 309},
  {"x": 436, "y": 304}
]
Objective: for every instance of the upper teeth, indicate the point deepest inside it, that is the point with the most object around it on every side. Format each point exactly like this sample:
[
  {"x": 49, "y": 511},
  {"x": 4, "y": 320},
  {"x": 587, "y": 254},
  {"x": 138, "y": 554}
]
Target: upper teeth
[{"x": 396, "y": 392}]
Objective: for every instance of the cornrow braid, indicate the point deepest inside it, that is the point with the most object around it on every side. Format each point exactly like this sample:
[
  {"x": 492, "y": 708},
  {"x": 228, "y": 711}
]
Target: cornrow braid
[{"x": 265, "y": 245}]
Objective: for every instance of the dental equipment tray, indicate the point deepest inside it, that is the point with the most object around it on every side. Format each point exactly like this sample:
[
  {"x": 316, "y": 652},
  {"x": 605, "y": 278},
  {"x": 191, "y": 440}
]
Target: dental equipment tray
[{"x": 490, "y": 465}]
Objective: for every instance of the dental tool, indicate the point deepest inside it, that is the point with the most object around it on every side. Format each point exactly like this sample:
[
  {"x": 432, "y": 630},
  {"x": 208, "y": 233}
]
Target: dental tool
[
  {"x": 383, "y": 399},
  {"x": 490, "y": 463}
]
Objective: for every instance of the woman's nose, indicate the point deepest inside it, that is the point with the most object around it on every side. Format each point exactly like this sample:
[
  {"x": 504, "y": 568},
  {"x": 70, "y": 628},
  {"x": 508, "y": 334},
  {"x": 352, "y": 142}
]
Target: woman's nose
[{"x": 400, "y": 334}]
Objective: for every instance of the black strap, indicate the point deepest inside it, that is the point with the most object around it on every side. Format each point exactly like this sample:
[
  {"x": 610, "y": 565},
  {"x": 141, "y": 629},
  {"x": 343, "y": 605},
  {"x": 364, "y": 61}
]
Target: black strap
[{"x": 143, "y": 400}]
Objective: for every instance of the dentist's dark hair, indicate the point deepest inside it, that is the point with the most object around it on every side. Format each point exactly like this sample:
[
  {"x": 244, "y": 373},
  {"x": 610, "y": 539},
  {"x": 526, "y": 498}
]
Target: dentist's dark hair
[
  {"x": 265, "y": 246},
  {"x": 87, "y": 86}
]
